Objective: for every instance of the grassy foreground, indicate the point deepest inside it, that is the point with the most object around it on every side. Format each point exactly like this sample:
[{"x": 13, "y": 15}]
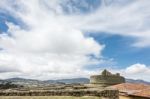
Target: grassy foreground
[{"x": 48, "y": 97}]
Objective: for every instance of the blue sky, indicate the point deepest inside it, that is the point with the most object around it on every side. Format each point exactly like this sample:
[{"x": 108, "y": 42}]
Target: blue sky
[
  {"x": 119, "y": 48},
  {"x": 73, "y": 38}
]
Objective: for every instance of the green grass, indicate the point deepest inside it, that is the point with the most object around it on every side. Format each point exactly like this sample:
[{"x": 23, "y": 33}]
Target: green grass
[{"x": 48, "y": 97}]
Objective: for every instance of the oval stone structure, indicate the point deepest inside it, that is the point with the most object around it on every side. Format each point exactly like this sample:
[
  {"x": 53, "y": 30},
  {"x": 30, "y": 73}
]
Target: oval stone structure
[{"x": 107, "y": 78}]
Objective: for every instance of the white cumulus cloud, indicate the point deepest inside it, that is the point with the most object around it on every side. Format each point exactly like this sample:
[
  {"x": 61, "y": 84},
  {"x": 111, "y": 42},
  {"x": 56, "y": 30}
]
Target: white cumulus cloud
[
  {"x": 137, "y": 71},
  {"x": 48, "y": 41},
  {"x": 137, "y": 68},
  {"x": 49, "y": 45}
]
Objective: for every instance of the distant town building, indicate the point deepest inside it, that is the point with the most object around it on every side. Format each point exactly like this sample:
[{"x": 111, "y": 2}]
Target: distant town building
[{"x": 107, "y": 78}]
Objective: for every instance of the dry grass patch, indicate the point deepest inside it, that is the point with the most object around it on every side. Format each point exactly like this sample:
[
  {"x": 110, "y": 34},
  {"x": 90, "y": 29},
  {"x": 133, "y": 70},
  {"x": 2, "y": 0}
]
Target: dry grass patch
[{"x": 48, "y": 97}]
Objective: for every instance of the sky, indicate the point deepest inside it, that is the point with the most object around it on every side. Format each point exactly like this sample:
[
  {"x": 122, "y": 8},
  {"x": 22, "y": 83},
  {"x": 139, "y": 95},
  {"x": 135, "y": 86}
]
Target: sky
[{"x": 56, "y": 39}]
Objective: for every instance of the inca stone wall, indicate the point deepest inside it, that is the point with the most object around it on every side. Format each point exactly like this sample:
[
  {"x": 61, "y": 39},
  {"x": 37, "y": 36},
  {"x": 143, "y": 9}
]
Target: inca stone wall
[
  {"x": 105, "y": 94},
  {"x": 109, "y": 80},
  {"x": 106, "y": 78}
]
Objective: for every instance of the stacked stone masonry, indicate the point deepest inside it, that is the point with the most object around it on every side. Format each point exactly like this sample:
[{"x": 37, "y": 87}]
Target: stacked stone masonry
[{"x": 106, "y": 78}]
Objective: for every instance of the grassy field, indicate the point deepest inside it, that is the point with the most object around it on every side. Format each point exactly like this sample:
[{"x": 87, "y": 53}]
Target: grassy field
[{"x": 47, "y": 97}]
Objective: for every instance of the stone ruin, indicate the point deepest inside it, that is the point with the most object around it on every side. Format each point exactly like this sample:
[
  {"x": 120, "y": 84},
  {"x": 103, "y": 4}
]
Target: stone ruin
[{"x": 107, "y": 78}]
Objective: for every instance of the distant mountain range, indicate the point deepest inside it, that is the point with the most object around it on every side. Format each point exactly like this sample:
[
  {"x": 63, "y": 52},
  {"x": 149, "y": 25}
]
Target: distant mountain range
[
  {"x": 22, "y": 81},
  {"x": 73, "y": 80},
  {"x": 137, "y": 81}
]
